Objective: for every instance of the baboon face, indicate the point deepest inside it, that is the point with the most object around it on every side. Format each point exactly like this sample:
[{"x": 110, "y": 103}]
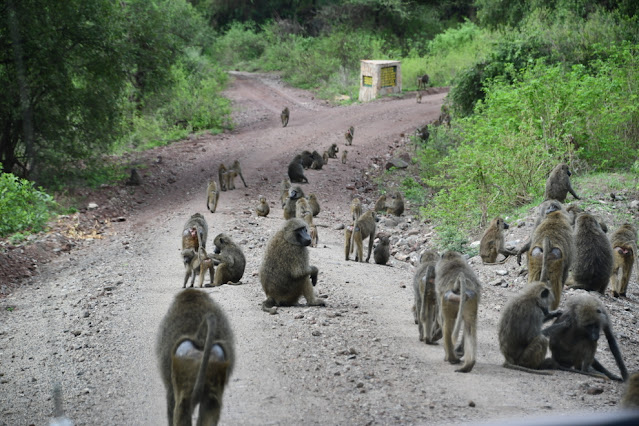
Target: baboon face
[
  {"x": 591, "y": 317},
  {"x": 545, "y": 299},
  {"x": 300, "y": 235},
  {"x": 564, "y": 167}
]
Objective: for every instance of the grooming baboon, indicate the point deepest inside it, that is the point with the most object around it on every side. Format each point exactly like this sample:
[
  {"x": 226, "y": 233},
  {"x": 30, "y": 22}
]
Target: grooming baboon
[
  {"x": 314, "y": 236},
  {"x": 302, "y": 209},
  {"x": 135, "y": 179},
  {"x": 380, "y": 204},
  {"x": 230, "y": 179},
  {"x": 397, "y": 204},
  {"x": 624, "y": 247},
  {"x": 238, "y": 169},
  {"x": 195, "y": 353},
  {"x": 349, "y": 135},
  {"x": 631, "y": 395},
  {"x": 212, "y": 196},
  {"x": 229, "y": 259},
  {"x": 221, "y": 175},
  {"x": 492, "y": 242},
  {"x": 313, "y": 204},
  {"x": 425, "y": 307},
  {"x": 458, "y": 295},
  {"x": 285, "y": 272},
  {"x": 344, "y": 156},
  {"x": 348, "y": 235},
  {"x": 520, "y": 339},
  {"x": 262, "y": 208},
  {"x": 325, "y": 157},
  {"x": 294, "y": 194},
  {"x": 592, "y": 263},
  {"x": 574, "y": 335},
  {"x": 284, "y": 187},
  {"x": 558, "y": 184},
  {"x": 364, "y": 227},
  {"x": 318, "y": 161},
  {"x": 284, "y": 116},
  {"x": 418, "y": 96},
  {"x": 197, "y": 262},
  {"x": 296, "y": 170},
  {"x": 333, "y": 150},
  {"x": 356, "y": 209},
  {"x": 422, "y": 81},
  {"x": 307, "y": 159},
  {"x": 381, "y": 254}
]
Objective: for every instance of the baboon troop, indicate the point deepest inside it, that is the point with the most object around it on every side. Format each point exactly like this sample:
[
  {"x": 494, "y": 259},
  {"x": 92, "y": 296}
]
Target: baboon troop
[
  {"x": 492, "y": 242},
  {"x": 332, "y": 151},
  {"x": 195, "y": 354},
  {"x": 135, "y": 179},
  {"x": 349, "y": 137},
  {"x": 296, "y": 170},
  {"x": 396, "y": 207},
  {"x": 344, "y": 156},
  {"x": 313, "y": 204},
  {"x": 592, "y": 262},
  {"x": 624, "y": 246},
  {"x": 238, "y": 170},
  {"x": 425, "y": 307},
  {"x": 284, "y": 116},
  {"x": 422, "y": 81},
  {"x": 364, "y": 227},
  {"x": 558, "y": 184},
  {"x": 381, "y": 254},
  {"x": 286, "y": 273},
  {"x": 212, "y": 196}
]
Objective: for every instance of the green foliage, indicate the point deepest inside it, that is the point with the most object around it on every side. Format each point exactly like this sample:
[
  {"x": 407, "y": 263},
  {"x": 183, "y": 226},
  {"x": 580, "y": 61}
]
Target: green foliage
[
  {"x": 412, "y": 190},
  {"x": 239, "y": 46},
  {"x": 450, "y": 237}
]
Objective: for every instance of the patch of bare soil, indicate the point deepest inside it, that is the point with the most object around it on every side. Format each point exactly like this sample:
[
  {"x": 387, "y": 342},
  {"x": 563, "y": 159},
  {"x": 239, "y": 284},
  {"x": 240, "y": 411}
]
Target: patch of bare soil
[{"x": 88, "y": 318}]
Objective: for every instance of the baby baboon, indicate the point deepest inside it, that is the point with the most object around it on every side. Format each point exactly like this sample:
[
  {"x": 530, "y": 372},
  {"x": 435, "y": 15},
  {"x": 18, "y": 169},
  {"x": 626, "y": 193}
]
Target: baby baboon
[
  {"x": 364, "y": 227},
  {"x": 229, "y": 259},
  {"x": 381, "y": 254},
  {"x": 284, "y": 186},
  {"x": 296, "y": 170},
  {"x": 397, "y": 204},
  {"x": 558, "y": 184},
  {"x": 333, "y": 150},
  {"x": 574, "y": 335},
  {"x": 294, "y": 194},
  {"x": 302, "y": 209},
  {"x": 284, "y": 116},
  {"x": 238, "y": 170},
  {"x": 592, "y": 264},
  {"x": 313, "y": 204},
  {"x": 380, "y": 204},
  {"x": 318, "y": 161},
  {"x": 520, "y": 338},
  {"x": 314, "y": 236},
  {"x": 425, "y": 307},
  {"x": 325, "y": 157},
  {"x": 230, "y": 179},
  {"x": 285, "y": 272},
  {"x": 422, "y": 81},
  {"x": 348, "y": 235},
  {"x": 492, "y": 242},
  {"x": 418, "y": 96},
  {"x": 262, "y": 208},
  {"x": 307, "y": 159},
  {"x": 349, "y": 135},
  {"x": 631, "y": 395},
  {"x": 197, "y": 262},
  {"x": 344, "y": 156},
  {"x": 624, "y": 247},
  {"x": 135, "y": 179},
  {"x": 221, "y": 175},
  {"x": 196, "y": 354},
  {"x": 458, "y": 294},
  {"x": 212, "y": 196},
  {"x": 356, "y": 208}
]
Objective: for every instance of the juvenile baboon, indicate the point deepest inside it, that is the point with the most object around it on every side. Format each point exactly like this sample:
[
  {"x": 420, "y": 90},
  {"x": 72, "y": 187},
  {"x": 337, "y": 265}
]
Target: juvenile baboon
[
  {"x": 631, "y": 395},
  {"x": 284, "y": 116},
  {"x": 314, "y": 236},
  {"x": 313, "y": 204},
  {"x": 238, "y": 169},
  {"x": 325, "y": 157},
  {"x": 574, "y": 335},
  {"x": 302, "y": 209},
  {"x": 592, "y": 264},
  {"x": 381, "y": 254},
  {"x": 520, "y": 339},
  {"x": 333, "y": 150},
  {"x": 135, "y": 179},
  {"x": 348, "y": 235},
  {"x": 284, "y": 186},
  {"x": 349, "y": 135},
  {"x": 356, "y": 209},
  {"x": 380, "y": 204},
  {"x": 425, "y": 307},
  {"x": 296, "y": 170},
  {"x": 344, "y": 156},
  {"x": 364, "y": 227},
  {"x": 458, "y": 295},
  {"x": 558, "y": 184},
  {"x": 262, "y": 208},
  {"x": 294, "y": 194},
  {"x": 212, "y": 196},
  {"x": 418, "y": 96},
  {"x": 195, "y": 232},
  {"x": 492, "y": 242},
  {"x": 422, "y": 81},
  {"x": 229, "y": 259},
  {"x": 197, "y": 262},
  {"x": 230, "y": 179},
  {"x": 195, "y": 352},
  {"x": 397, "y": 204},
  {"x": 624, "y": 247},
  {"x": 318, "y": 161},
  {"x": 307, "y": 159},
  {"x": 285, "y": 272},
  {"x": 221, "y": 175}
]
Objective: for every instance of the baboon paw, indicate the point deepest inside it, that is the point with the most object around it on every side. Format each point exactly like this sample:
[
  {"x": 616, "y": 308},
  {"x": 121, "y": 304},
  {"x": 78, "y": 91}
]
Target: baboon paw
[{"x": 464, "y": 370}]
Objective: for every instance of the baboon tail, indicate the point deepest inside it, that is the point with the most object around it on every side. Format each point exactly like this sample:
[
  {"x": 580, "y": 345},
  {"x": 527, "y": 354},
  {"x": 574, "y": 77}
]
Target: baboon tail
[
  {"x": 198, "y": 388},
  {"x": 544, "y": 266},
  {"x": 461, "y": 279}
]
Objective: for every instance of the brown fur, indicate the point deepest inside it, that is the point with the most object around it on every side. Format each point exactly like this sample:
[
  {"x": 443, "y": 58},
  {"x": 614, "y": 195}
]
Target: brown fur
[
  {"x": 284, "y": 187},
  {"x": 558, "y": 184},
  {"x": 313, "y": 204},
  {"x": 238, "y": 170},
  {"x": 425, "y": 307},
  {"x": 364, "y": 227},
  {"x": 492, "y": 242},
  {"x": 624, "y": 249},
  {"x": 229, "y": 259},
  {"x": 356, "y": 209},
  {"x": 262, "y": 208},
  {"x": 592, "y": 263},
  {"x": 397, "y": 204},
  {"x": 296, "y": 170},
  {"x": 349, "y": 135},
  {"x": 380, "y": 204},
  {"x": 284, "y": 116},
  {"x": 294, "y": 194},
  {"x": 631, "y": 395},
  {"x": 212, "y": 196},
  {"x": 348, "y": 235},
  {"x": 221, "y": 175},
  {"x": 381, "y": 254},
  {"x": 333, "y": 150},
  {"x": 344, "y": 156},
  {"x": 422, "y": 81}
]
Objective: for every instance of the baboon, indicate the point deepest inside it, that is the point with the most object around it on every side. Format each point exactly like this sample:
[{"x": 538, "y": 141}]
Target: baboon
[
  {"x": 307, "y": 159},
  {"x": 230, "y": 179},
  {"x": 381, "y": 254},
  {"x": 262, "y": 208},
  {"x": 356, "y": 209},
  {"x": 135, "y": 179},
  {"x": 238, "y": 170},
  {"x": 631, "y": 395},
  {"x": 574, "y": 335},
  {"x": 573, "y": 211},
  {"x": 348, "y": 235},
  {"x": 344, "y": 156},
  {"x": 302, "y": 209},
  {"x": 313, "y": 204},
  {"x": 325, "y": 157},
  {"x": 294, "y": 194},
  {"x": 318, "y": 161},
  {"x": 197, "y": 262},
  {"x": 425, "y": 307},
  {"x": 551, "y": 253},
  {"x": 195, "y": 232},
  {"x": 592, "y": 264},
  {"x": 349, "y": 135},
  {"x": 195, "y": 352},
  {"x": 520, "y": 339},
  {"x": 444, "y": 117},
  {"x": 314, "y": 236},
  {"x": 544, "y": 209},
  {"x": 418, "y": 96},
  {"x": 229, "y": 259},
  {"x": 284, "y": 186},
  {"x": 558, "y": 184},
  {"x": 221, "y": 174},
  {"x": 397, "y": 204},
  {"x": 458, "y": 295},
  {"x": 492, "y": 242},
  {"x": 364, "y": 227},
  {"x": 333, "y": 150},
  {"x": 624, "y": 247},
  {"x": 285, "y": 272},
  {"x": 284, "y": 116},
  {"x": 296, "y": 170},
  {"x": 422, "y": 81},
  {"x": 212, "y": 196},
  {"x": 380, "y": 204},
  {"x": 423, "y": 133}
]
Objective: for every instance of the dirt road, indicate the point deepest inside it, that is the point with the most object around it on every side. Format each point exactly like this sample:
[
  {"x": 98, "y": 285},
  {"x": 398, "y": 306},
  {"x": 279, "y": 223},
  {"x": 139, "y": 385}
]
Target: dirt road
[{"x": 89, "y": 319}]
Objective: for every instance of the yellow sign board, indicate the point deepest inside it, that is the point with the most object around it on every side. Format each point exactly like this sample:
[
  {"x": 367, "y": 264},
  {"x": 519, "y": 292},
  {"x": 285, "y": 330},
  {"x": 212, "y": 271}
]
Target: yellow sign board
[
  {"x": 368, "y": 80},
  {"x": 388, "y": 76}
]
